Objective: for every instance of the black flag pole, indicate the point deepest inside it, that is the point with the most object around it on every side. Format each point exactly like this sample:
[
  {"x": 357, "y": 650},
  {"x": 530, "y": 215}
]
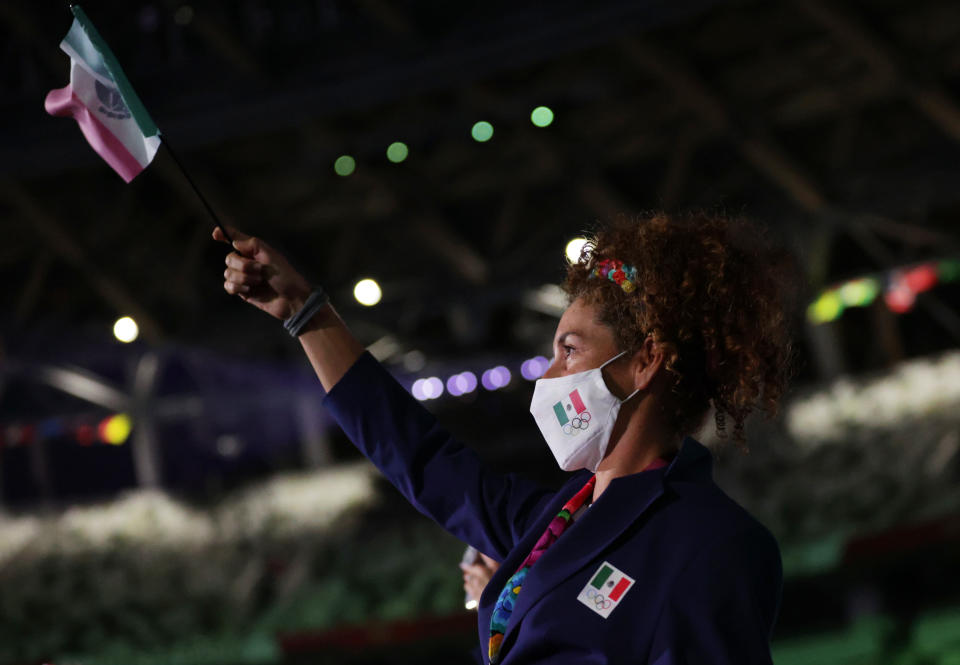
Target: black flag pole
[{"x": 206, "y": 204}]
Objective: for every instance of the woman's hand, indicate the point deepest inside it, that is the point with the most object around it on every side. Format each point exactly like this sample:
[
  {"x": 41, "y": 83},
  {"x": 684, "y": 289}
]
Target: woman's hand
[
  {"x": 477, "y": 575},
  {"x": 261, "y": 276}
]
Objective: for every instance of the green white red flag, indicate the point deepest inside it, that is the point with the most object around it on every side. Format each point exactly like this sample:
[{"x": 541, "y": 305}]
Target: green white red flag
[
  {"x": 102, "y": 101},
  {"x": 606, "y": 589}
]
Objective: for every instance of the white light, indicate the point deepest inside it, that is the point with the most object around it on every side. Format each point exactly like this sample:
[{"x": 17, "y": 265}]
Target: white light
[
  {"x": 125, "y": 329},
  {"x": 917, "y": 389},
  {"x": 574, "y": 247},
  {"x": 367, "y": 292},
  {"x": 471, "y": 604},
  {"x": 549, "y": 299},
  {"x": 432, "y": 388},
  {"x": 417, "y": 390}
]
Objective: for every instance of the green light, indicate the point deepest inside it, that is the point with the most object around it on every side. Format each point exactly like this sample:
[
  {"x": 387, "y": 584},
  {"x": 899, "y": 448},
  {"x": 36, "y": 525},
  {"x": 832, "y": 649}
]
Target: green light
[
  {"x": 541, "y": 116},
  {"x": 397, "y": 152},
  {"x": 826, "y": 308},
  {"x": 482, "y": 131},
  {"x": 949, "y": 270},
  {"x": 345, "y": 165},
  {"x": 859, "y": 292}
]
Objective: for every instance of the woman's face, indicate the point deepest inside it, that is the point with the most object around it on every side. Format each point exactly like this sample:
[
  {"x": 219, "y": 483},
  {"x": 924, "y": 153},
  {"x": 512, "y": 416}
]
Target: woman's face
[{"x": 581, "y": 342}]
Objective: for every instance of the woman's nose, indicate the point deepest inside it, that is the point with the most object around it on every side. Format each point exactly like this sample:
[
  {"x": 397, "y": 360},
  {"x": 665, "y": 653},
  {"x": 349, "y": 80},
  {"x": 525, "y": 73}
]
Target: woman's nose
[{"x": 553, "y": 371}]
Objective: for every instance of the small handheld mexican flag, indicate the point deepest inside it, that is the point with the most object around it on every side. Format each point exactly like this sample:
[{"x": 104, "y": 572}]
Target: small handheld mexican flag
[{"x": 102, "y": 101}]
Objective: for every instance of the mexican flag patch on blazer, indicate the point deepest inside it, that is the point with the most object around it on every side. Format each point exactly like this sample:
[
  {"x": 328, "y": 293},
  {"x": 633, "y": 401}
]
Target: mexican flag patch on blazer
[{"x": 605, "y": 589}]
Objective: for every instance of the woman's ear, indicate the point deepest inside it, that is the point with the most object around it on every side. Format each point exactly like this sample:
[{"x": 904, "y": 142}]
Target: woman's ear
[{"x": 647, "y": 362}]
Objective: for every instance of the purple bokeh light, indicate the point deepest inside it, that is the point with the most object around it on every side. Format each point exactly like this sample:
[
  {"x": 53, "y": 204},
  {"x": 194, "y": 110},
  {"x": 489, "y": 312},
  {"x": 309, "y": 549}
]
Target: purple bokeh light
[
  {"x": 467, "y": 382},
  {"x": 496, "y": 378},
  {"x": 429, "y": 388},
  {"x": 486, "y": 381},
  {"x": 453, "y": 385},
  {"x": 432, "y": 387},
  {"x": 534, "y": 368},
  {"x": 462, "y": 383}
]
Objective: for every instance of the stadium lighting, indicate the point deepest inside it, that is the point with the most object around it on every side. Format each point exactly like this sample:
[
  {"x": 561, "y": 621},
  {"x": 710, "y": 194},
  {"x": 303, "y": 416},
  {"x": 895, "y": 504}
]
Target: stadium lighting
[
  {"x": 541, "y": 116},
  {"x": 826, "y": 308},
  {"x": 126, "y": 329},
  {"x": 367, "y": 292},
  {"x": 397, "y": 152},
  {"x": 115, "y": 429},
  {"x": 574, "y": 247},
  {"x": 482, "y": 131},
  {"x": 345, "y": 165}
]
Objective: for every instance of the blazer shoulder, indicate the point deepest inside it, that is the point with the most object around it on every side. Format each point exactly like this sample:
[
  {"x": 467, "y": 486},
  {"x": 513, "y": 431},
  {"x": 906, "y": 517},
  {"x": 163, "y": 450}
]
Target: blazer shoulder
[{"x": 711, "y": 517}]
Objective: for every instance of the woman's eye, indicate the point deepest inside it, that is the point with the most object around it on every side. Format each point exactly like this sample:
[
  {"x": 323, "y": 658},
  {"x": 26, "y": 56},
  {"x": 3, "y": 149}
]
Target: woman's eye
[{"x": 567, "y": 350}]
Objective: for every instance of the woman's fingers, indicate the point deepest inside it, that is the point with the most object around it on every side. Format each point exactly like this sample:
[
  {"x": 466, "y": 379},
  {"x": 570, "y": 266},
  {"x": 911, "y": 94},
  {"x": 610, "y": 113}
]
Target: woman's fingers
[
  {"x": 242, "y": 274},
  {"x": 491, "y": 563},
  {"x": 240, "y": 277},
  {"x": 476, "y": 571},
  {"x": 235, "y": 289},
  {"x": 234, "y": 233},
  {"x": 243, "y": 264},
  {"x": 251, "y": 247},
  {"x": 244, "y": 244}
]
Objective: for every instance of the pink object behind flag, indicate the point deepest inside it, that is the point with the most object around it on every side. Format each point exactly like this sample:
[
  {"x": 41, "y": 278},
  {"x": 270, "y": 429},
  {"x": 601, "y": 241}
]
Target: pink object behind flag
[{"x": 102, "y": 101}]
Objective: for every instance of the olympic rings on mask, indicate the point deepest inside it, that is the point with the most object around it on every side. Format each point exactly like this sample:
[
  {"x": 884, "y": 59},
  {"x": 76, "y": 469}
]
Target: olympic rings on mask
[
  {"x": 567, "y": 429},
  {"x": 585, "y": 416},
  {"x": 579, "y": 423},
  {"x": 591, "y": 593}
]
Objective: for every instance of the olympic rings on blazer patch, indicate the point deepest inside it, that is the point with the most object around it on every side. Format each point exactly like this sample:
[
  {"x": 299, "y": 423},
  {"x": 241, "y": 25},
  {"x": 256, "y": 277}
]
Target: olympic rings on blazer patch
[
  {"x": 606, "y": 588},
  {"x": 598, "y": 599}
]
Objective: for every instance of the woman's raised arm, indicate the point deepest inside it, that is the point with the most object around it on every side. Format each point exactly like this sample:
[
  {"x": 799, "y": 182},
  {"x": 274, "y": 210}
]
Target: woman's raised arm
[{"x": 261, "y": 276}]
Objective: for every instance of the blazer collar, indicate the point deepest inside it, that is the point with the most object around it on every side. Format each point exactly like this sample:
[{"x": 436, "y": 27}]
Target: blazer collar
[
  {"x": 692, "y": 462},
  {"x": 625, "y": 501}
]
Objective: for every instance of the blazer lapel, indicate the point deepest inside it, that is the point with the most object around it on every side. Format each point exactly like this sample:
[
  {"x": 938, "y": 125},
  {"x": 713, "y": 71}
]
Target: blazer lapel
[
  {"x": 520, "y": 551},
  {"x": 624, "y": 502}
]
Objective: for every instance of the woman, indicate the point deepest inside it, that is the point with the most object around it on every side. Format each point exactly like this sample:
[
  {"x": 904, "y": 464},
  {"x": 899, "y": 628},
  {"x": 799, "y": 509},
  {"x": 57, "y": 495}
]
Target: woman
[
  {"x": 669, "y": 316},
  {"x": 476, "y": 575}
]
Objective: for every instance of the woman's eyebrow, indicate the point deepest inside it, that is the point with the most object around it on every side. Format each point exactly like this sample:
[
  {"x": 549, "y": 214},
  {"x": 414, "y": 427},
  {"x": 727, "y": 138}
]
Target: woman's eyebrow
[{"x": 570, "y": 333}]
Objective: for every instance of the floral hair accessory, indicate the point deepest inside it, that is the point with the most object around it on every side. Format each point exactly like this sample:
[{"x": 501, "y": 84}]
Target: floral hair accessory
[{"x": 622, "y": 275}]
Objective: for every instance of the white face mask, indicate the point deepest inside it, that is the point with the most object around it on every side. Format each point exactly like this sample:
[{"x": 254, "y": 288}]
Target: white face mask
[{"x": 576, "y": 414}]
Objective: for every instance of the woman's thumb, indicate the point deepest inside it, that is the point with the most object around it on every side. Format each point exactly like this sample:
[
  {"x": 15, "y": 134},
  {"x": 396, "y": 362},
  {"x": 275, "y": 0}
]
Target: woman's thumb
[{"x": 247, "y": 246}]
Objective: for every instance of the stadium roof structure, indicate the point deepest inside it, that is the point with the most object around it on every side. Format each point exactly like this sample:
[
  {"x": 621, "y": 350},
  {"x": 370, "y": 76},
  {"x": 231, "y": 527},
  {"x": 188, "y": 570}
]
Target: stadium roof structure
[{"x": 836, "y": 124}]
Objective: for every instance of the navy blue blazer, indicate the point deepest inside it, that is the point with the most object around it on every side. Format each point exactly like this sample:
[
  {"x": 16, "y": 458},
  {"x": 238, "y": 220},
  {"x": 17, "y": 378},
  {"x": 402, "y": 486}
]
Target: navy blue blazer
[{"x": 706, "y": 575}]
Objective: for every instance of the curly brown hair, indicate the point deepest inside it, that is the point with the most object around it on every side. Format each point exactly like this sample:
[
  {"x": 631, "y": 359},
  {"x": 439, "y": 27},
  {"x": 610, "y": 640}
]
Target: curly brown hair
[{"x": 713, "y": 294}]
